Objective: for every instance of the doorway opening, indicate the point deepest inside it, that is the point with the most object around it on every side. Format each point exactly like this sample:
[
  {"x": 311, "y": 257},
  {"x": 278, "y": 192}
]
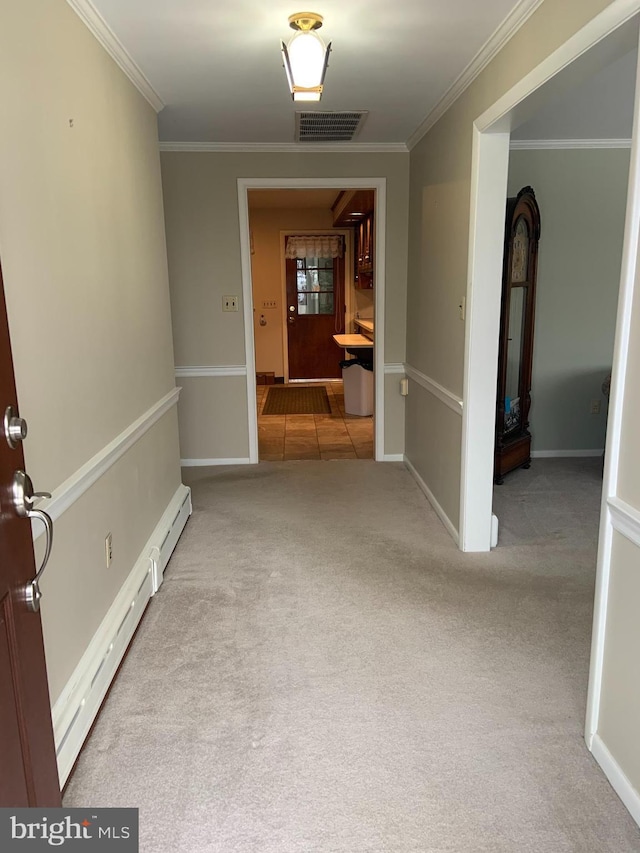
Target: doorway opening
[
  {"x": 587, "y": 53},
  {"x": 607, "y": 37},
  {"x": 582, "y": 195},
  {"x": 316, "y": 316}
]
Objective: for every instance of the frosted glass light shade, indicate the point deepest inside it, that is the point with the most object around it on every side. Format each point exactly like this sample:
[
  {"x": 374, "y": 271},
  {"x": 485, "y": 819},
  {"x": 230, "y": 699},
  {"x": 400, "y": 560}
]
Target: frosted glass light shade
[
  {"x": 307, "y": 58},
  {"x": 311, "y": 95},
  {"x": 305, "y": 61}
]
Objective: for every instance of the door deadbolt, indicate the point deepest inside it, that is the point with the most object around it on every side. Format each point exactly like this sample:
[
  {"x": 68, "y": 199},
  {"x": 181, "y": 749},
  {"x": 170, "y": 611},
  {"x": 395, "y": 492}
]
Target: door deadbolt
[{"x": 15, "y": 427}]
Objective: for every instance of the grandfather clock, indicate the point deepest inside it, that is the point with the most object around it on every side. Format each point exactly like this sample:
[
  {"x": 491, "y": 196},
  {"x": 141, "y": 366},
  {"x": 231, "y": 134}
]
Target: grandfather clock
[{"x": 515, "y": 358}]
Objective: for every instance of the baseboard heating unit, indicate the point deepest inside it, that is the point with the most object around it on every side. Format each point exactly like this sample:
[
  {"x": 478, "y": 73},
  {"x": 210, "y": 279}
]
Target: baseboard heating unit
[{"x": 77, "y": 707}]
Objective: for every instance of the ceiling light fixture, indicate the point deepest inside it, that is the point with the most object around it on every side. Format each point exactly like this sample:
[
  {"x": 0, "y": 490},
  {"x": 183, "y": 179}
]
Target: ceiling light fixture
[{"x": 305, "y": 57}]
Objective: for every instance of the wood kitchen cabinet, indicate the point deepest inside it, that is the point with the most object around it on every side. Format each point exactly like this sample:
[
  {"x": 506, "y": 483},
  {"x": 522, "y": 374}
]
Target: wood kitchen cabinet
[
  {"x": 354, "y": 209},
  {"x": 364, "y": 253}
]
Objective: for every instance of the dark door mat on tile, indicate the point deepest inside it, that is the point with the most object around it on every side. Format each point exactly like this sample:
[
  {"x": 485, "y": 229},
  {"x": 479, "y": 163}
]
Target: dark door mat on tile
[{"x": 292, "y": 400}]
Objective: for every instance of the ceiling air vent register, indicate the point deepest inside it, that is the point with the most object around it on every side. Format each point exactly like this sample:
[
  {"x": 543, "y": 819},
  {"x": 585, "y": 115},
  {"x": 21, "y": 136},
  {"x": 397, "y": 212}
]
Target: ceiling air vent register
[{"x": 328, "y": 127}]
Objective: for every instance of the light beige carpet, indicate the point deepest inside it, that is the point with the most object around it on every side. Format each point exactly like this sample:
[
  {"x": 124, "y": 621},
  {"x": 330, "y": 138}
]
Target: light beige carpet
[{"x": 323, "y": 672}]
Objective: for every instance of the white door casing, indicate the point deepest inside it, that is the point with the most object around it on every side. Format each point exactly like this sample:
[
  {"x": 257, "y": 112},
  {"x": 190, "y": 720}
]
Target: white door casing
[{"x": 380, "y": 186}]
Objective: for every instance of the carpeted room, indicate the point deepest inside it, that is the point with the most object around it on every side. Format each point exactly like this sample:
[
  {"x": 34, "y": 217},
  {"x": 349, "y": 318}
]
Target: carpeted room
[{"x": 323, "y": 670}]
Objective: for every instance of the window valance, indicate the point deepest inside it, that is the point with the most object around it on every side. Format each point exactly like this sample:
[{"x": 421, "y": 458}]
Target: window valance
[{"x": 315, "y": 246}]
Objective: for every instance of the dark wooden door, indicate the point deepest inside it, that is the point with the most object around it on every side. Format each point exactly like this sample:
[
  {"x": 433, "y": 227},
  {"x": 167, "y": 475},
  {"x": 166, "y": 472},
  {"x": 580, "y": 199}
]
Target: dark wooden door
[
  {"x": 28, "y": 771},
  {"x": 315, "y": 312}
]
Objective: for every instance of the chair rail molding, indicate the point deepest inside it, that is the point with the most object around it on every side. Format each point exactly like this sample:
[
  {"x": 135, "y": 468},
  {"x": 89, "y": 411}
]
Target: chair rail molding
[
  {"x": 625, "y": 519},
  {"x": 77, "y": 484},
  {"x": 204, "y": 371},
  {"x": 219, "y": 460},
  {"x": 450, "y": 399}
]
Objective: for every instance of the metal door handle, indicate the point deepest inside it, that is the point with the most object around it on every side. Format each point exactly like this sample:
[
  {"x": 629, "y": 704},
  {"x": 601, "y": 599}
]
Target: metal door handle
[
  {"x": 23, "y": 496},
  {"x": 291, "y": 320}
]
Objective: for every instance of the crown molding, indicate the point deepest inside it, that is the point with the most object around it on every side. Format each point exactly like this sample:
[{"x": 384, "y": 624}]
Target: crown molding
[
  {"x": 550, "y": 144},
  {"x": 289, "y": 147},
  {"x": 507, "y": 29},
  {"x": 94, "y": 21}
]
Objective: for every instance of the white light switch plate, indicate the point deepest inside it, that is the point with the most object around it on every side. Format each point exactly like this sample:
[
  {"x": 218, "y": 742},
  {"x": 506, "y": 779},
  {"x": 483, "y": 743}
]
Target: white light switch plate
[{"x": 229, "y": 303}]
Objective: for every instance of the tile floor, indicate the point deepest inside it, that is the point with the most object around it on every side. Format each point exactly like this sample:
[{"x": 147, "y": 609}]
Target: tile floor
[{"x": 296, "y": 437}]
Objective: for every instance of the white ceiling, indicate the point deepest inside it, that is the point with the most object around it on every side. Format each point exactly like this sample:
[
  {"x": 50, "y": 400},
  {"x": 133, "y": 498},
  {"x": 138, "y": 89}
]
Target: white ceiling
[{"x": 217, "y": 65}]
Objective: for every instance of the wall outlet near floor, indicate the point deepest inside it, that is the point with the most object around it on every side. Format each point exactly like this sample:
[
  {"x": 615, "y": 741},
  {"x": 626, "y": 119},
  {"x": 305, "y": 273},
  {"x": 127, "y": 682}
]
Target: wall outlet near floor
[
  {"x": 108, "y": 549},
  {"x": 269, "y": 303},
  {"x": 595, "y": 407},
  {"x": 229, "y": 303}
]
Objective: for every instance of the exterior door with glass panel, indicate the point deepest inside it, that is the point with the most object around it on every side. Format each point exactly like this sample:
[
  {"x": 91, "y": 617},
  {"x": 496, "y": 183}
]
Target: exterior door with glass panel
[{"x": 315, "y": 311}]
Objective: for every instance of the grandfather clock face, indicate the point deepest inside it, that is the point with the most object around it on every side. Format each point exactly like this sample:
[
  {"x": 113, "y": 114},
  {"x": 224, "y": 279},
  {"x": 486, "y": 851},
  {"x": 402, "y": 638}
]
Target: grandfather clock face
[{"x": 520, "y": 252}]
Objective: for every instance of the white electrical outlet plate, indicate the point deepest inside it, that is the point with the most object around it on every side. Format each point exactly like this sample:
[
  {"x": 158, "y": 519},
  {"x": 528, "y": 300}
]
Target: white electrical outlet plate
[
  {"x": 595, "y": 407},
  {"x": 229, "y": 303},
  {"x": 108, "y": 549}
]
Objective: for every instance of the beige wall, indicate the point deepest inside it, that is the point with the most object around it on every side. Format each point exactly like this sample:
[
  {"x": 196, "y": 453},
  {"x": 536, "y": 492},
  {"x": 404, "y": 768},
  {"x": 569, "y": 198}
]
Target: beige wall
[
  {"x": 619, "y": 723},
  {"x": 438, "y": 247},
  {"x": 266, "y": 274},
  {"x": 582, "y": 196},
  {"x": 83, "y": 254},
  {"x": 440, "y": 176},
  {"x": 203, "y": 241}
]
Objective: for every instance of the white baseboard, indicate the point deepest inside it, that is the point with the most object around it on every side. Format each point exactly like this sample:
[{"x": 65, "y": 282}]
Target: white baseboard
[
  {"x": 444, "y": 518},
  {"x": 393, "y": 457},
  {"x": 614, "y": 773},
  {"x": 495, "y": 526},
  {"x": 202, "y": 463},
  {"x": 77, "y": 706},
  {"x": 569, "y": 454}
]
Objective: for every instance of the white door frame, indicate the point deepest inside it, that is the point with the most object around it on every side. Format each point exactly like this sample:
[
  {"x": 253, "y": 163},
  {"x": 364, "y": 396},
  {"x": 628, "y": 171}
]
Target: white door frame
[
  {"x": 490, "y": 160},
  {"x": 488, "y": 195},
  {"x": 380, "y": 186}
]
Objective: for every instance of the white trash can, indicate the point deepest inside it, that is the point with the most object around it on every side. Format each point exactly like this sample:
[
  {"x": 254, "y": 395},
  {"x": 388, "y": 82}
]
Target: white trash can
[{"x": 358, "y": 388}]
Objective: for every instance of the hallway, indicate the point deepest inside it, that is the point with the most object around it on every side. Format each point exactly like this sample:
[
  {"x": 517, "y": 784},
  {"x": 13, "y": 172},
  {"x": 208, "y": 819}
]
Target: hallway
[{"x": 323, "y": 671}]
